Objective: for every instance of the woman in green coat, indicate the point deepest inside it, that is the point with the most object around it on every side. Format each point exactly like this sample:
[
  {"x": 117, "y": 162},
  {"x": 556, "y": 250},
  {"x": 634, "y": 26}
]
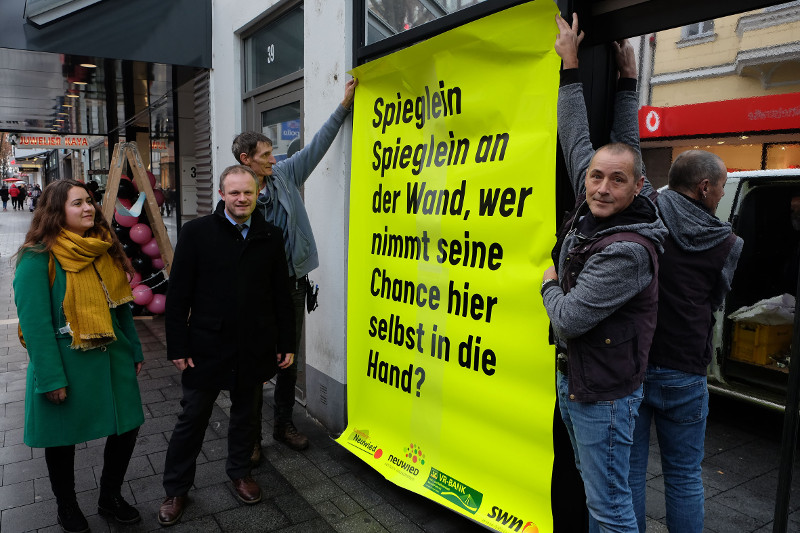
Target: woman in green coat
[{"x": 71, "y": 293}]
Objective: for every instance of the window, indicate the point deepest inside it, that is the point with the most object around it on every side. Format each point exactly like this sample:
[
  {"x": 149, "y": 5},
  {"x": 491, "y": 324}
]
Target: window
[
  {"x": 275, "y": 50},
  {"x": 389, "y": 17},
  {"x": 697, "y": 33},
  {"x": 698, "y": 29}
]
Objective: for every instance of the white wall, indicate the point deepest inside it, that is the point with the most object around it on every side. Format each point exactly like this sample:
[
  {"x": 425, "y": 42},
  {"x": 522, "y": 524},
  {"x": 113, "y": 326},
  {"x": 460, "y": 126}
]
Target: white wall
[{"x": 327, "y": 57}]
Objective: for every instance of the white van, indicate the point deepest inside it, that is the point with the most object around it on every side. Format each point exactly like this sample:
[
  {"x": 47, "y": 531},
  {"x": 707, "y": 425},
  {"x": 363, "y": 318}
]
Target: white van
[{"x": 757, "y": 204}]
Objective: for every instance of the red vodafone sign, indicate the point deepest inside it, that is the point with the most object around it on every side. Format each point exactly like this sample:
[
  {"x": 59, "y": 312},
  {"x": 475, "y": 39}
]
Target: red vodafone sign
[
  {"x": 760, "y": 113},
  {"x": 53, "y": 141}
]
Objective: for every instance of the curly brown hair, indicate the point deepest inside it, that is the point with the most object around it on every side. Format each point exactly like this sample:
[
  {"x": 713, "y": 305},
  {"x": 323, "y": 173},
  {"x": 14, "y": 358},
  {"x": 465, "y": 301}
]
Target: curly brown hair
[{"x": 49, "y": 218}]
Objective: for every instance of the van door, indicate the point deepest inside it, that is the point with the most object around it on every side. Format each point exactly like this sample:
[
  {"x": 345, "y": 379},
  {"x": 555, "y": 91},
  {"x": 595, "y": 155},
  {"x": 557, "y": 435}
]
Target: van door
[{"x": 750, "y": 361}]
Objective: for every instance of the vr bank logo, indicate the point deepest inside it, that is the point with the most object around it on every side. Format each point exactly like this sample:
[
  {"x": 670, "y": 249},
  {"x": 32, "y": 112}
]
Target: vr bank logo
[
  {"x": 511, "y": 522},
  {"x": 454, "y": 491}
]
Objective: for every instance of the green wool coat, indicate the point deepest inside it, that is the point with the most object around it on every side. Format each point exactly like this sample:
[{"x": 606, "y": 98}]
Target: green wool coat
[{"x": 102, "y": 389}]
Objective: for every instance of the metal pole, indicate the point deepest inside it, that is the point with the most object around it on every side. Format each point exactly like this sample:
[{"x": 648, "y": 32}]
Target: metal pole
[{"x": 790, "y": 423}]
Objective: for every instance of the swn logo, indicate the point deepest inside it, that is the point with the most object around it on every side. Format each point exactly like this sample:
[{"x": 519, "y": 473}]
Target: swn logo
[{"x": 512, "y": 522}]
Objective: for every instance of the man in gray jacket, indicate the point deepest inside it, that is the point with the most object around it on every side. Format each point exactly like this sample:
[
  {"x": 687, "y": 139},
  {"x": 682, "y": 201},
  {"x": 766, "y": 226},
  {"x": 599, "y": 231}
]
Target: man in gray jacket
[
  {"x": 281, "y": 203},
  {"x": 602, "y": 297},
  {"x": 695, "y": 273},
  {"x": 697, "y": 267}
]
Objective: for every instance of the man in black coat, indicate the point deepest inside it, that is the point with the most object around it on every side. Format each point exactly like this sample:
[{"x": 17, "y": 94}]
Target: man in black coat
[{"x": 229, "y": 325}]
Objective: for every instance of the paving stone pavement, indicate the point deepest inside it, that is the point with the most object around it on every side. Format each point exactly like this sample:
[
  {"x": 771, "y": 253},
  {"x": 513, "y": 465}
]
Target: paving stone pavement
[{"x": 324, "y": 488}]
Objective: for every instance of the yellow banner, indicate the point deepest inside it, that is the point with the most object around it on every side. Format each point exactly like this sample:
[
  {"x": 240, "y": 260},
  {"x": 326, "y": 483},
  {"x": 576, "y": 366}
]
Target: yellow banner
[{"x": 450, "y": 379}]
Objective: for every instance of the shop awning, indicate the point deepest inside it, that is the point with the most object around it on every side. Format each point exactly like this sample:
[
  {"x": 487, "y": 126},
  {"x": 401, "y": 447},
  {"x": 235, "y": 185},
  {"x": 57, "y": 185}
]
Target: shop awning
[
  {"x": 761, "y": 113},
  {"x": 174, "y": 32}
]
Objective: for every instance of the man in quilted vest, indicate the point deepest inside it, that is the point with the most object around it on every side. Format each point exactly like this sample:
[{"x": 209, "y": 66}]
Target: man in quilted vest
[{"x": 601, "y": 297}]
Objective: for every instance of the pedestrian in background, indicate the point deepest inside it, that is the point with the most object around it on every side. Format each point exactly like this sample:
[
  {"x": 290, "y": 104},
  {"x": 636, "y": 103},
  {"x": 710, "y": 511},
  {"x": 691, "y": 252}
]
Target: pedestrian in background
[
  {"x": 23, "y": 196},
  {"x": 71, "y": 293},
  {"x": 4, "y": 196},
  {"x": 35, "y": 194},
  {"x": 14, "y": 193}
]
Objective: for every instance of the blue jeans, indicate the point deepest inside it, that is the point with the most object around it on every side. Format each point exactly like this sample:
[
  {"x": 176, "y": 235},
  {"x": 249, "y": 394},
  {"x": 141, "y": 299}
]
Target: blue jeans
[
  {"x": 678, "y": 402},
  {"x": 602, "y": 435}
]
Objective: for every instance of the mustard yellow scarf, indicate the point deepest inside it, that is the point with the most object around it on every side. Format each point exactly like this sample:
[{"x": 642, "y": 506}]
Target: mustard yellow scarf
[{"x": 95, "y": 283}]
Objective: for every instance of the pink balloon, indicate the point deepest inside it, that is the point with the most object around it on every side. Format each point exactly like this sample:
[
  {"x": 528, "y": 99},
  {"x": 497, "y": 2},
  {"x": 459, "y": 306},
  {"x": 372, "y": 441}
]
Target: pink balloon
[
  {"x": 125, "y": 203},
  {"x": 152, "y": 178},
  {"x": 159, "y": 197},
  {"x": 158, "y": 263},
  {"x": 151, "y": 248},
  {"x": 140, "y": 233},
  {"x": 157, "y": 304},
  {"x": 135, "y": 279},
  {"x": 124, "y": 177},
  {"x": 122, "y": 220},
  {"x": 142, "y": 294}
]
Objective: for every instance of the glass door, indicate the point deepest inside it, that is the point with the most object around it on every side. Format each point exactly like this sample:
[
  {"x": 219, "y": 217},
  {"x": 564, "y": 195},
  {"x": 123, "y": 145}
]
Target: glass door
[{"x": 278, "y": 114}]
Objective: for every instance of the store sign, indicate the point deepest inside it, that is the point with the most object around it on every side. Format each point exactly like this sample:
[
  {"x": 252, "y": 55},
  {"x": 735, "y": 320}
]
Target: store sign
[
  {"x": 760, "y": 113},
  {"x": 451, "y": 226},
  {"x": 290, "y": 130},
  {"x": 53, "y": 141},
  {"x": 158, "y": 145}
]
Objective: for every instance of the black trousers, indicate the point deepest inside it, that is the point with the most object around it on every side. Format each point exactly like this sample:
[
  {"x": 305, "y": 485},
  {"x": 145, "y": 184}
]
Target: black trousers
[
  {"x": 187, "y": 437},
  {"x": 116, "y": 456},
  {"x": 286, "y": 379}
]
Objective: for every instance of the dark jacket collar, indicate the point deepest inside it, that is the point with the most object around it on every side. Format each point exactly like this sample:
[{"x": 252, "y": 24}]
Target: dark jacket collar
[{"x": 639, "y": 211}]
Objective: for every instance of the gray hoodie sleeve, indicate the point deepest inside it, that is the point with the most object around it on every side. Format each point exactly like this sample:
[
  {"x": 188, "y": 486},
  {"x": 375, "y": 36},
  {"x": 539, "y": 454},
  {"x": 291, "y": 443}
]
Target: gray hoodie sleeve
[
  {"x": 723, "y": 285},
  {"x": 626, "y": 127},
  {"x": 298, "y": 168},
  {"x": 608, "y": 280},
  {"x": 573, "y": 130}
]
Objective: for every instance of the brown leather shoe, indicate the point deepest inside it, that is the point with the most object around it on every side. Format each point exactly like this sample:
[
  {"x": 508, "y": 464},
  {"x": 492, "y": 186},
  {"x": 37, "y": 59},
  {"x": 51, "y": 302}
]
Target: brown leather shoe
[
  {"x": 247, "y": 490},
  {"x": 289, "y": 435},
  {"x": 255, "y": 457},
  {"x": 171, "y": 510}
]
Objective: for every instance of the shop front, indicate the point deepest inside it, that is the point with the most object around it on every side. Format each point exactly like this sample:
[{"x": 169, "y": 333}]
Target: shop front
[
  {"x": 80, "y": 77},
  {"x": 758, "y": 133}
]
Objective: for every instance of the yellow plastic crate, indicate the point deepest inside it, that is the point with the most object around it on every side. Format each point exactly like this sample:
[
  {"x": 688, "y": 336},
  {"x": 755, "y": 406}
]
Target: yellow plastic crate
[{"x": 754, "y": 343}]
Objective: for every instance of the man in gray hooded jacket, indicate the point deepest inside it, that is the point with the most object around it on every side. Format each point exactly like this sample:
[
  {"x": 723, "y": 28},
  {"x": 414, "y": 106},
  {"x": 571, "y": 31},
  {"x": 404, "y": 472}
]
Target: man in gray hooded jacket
[
  {"x": 602, "y": 297},
  {"x": 281, "y": 203},
  {"x": 695, "y": 274},
  {"x": 697, "y": 268}
]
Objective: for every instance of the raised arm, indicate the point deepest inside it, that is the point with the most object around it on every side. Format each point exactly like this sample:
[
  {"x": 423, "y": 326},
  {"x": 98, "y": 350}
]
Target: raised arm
[
  {"x": 298, "y": 168},
  {"x": 625, "y": 128},
  {"x": 573, "y": 124}
]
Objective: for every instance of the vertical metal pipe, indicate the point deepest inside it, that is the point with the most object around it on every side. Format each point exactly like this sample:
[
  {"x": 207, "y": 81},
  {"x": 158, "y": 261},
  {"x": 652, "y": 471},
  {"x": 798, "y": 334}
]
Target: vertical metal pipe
[{"x": 791, "y": 417}]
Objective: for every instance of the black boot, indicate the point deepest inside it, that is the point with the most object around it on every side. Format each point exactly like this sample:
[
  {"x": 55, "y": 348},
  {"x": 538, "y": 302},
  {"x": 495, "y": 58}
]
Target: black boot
[
  {"x": 70, "y": 517},
  {"x": 116, "y": 457},
  {"x": 115, "y": 506}
]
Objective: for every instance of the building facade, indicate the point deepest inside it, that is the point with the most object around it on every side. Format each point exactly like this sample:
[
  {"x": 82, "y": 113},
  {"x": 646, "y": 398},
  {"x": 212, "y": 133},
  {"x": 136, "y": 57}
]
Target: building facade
[{"x": 730, "y": 86}]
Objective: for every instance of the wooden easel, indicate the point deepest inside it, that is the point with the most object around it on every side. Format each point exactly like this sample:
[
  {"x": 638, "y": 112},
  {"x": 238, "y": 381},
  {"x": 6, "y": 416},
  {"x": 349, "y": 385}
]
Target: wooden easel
[{"x": 129, "y": 151}]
